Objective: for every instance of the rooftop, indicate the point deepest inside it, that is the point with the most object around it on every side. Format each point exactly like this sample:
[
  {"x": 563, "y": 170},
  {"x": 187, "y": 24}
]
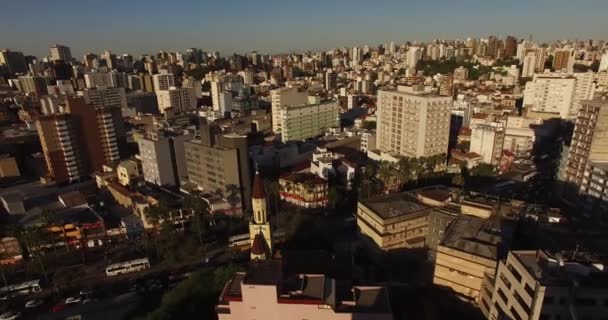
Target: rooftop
[
  {"x": 477, "y": 236},
  {"x": 395, "y": 205}
]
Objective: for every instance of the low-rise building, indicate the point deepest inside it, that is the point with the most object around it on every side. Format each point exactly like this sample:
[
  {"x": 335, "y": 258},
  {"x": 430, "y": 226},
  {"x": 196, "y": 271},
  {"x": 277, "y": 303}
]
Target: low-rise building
[
  {"x": 469, "y": 251},
  {"x": 304, "y": 190},
  {"x": 266, "y": 292},
  {"x": 395, "y": 221}
]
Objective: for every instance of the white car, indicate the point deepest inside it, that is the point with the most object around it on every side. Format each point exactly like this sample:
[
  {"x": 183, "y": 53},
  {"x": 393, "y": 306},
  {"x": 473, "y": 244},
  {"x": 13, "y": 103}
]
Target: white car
[
  {"x": 33, "y": 304},
  {"x": 9, "y": 315},
  {"x": 71, "y": 300}
]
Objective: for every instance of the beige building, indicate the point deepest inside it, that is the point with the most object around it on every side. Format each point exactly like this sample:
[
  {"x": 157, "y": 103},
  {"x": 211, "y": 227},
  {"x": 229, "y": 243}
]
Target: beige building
[
  {"x": 266, "y": 292},
  {"x": 559, "y": 93},
  {"x": 468, "y": 253},
  {"x": 214, "y": 169},
  {"x": 126, "y": 171},
  {"x": 177, "y": 99},
  {"x": 285, "y": 97},
  {"x": 589, "y": 140},
  {"x": 395, "y": 221},
  {"x": 487, "y": 140},
  {"x": 304, "y": 189},
  {"x": 537, "y": 285},
  {"x": 8, "y": 166},
  {"x": 300, "y": 122},
  {"x": 413, "y": 123}
]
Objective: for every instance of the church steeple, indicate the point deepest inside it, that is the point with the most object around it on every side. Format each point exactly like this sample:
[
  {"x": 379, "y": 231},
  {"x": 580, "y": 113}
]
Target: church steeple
[{"x": 260, "y": 233}]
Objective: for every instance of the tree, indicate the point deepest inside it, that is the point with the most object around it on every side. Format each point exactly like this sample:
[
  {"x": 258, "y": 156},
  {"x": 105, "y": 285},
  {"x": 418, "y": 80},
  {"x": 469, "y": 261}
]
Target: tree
[
  {"x": 404, "y": 173},
  {"x": 200, "y": 213},
  {"x": 368, "y": 125},
  {"x": 196, "y": 297},
  {"x": 233, "y": 196},
  {"x": 158, "y": 212},
  {"x": 385, "y": 174},
  {"x": 483, "y": 169},
  {"x": 458, "y": 180}
]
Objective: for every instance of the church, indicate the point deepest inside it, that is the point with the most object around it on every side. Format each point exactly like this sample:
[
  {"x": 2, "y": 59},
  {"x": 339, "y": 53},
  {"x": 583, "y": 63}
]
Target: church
[{"x": 259, "y": 226}]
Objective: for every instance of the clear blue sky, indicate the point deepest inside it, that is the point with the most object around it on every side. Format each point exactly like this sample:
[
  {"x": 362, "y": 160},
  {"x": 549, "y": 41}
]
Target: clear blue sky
[{"x": 146, "y": 26}]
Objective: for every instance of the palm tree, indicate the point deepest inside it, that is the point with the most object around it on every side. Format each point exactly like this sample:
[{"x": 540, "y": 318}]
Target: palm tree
[
  {"x": 405, "y": 170},
  {"x": 200, "y": 212}
]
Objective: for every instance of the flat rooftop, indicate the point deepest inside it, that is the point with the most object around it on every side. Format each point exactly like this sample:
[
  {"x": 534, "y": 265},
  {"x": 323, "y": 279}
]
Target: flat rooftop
[
  {"x": 548, "y": 269},
  {"x": 481, "y": 237},
  {"x": 395, "y": 205}
]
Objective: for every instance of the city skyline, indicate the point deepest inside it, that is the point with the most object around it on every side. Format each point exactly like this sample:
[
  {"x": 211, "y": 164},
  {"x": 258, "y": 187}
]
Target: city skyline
[{"x": 218, "y": 27}]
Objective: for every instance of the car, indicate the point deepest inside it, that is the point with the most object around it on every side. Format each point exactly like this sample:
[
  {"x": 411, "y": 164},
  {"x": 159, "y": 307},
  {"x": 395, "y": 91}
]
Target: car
[
  {"x": 32, "y": 304},
  {"x": 73, "y": 300},
  {"x": 10, "y": 315}
]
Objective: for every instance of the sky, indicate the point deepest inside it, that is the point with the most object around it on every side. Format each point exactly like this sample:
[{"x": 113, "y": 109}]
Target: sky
[{"x": 271, "y": 26}]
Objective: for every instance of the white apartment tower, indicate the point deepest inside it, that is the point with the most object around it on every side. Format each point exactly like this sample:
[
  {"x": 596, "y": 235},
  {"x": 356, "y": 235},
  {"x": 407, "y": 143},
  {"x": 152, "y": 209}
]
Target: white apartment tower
[
  {"x": 285, "y": 97},
  {"x": 412, "y": 123},
  {"x": 177, "y": 99}
]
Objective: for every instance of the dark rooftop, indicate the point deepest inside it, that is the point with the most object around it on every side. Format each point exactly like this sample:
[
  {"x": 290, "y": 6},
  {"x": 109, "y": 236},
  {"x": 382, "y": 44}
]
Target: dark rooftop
[{"x": 395, "y": 205}]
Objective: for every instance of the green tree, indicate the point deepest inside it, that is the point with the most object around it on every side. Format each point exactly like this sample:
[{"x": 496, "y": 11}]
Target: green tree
[
  {"x": 385, "y": 174},
  {"x": 200, "y": 215},
  {"x": 483, "y": 169}
]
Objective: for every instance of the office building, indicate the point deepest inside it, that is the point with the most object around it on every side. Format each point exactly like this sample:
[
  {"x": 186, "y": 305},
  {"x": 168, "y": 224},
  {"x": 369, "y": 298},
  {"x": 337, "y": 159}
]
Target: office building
[
  {"x": 216, "y": 91},
  {"x": 603, "y": 62},
  {"x": 95, "y": 78},
  {"x": 267, "y": 291},
  {"x": 543, "y": 285},
  {"x": 177, "y": 99},
  {"x": 14, "y": 61},
  {"x": 285, "y": 97},
  {"x": 589, "y": 140},
  {"x": 163, "y": 81},
  {"x": 412, "y": 123},
  {"x": 469, "y": 253},
  {"x": 301, "y": 122},
  {"x": 558, "y": 93},
  {"x": 510, "y": 46},
  {"x": 395, "y": 221},
  {"x": 60, "y": 52},
  {"x": 487, "y": 140}
]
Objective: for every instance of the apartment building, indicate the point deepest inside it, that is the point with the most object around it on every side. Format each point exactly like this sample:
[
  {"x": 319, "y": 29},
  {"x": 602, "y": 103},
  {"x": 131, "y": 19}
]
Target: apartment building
[
  {"x": 394, "y": 221},
  {"x": 285, "y": 97},
  {"x": 304, "y": 189},
  {"x": 105, "y": 97},
  {"x": 589, "y": 140},
  {"x": 594, "y": 190},
  {"x": 412, "y": 123},
  {"x": 470, "y": 251},
  {"x": 487, "y": 140},
  {"x": 301, "y": 122},
  {"x": 162, "y": 156},
  {"x": 559, "y": 93},
  {"x": 177, "y": 99},
  {"x": 539, "y": 285}
]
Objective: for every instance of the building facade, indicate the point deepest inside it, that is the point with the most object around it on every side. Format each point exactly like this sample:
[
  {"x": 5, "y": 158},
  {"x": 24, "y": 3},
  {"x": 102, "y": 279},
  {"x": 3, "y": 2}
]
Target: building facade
[
  {"x": 412, "y": 123},
  {"x": 285, "y": 97},
  {"x": 310, "y": 120}
]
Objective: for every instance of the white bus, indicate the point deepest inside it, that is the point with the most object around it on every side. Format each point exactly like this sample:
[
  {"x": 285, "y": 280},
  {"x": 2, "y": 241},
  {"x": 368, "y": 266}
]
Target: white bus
[
  {"x": 24, "y": 288},
  {"x": 128, "y": 267},
  {"x": 239, "y": 241}
]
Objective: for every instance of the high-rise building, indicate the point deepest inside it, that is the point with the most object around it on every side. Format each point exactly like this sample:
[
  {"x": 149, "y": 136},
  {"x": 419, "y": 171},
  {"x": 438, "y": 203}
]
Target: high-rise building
[
  {"x": 178, "y": 99},
  {"x": 33, "y": 84},
  {"x": 563, "y": 60},
  {"x": 541, "y": 285},
  {"x": 461, "y": 74},
  {"x": 300, "y": 122},
  {"x": 487, "y": 140},
  {"x": 14, "y": 61},
  {"x": 216, "y": 91},
  {"x": 594, "y": 190},
  {"x": 95, "y": 78},
  {"x": 285, "y": 97},
  {"x": 163, "y": 81},
  {"x": 331, "y": 80},
  {"x": 105, "y": 97},
  {"x": 60, "y": 52},
  {"x": 604, "y": 62},
  {"x": 589, "y": 140},
  {"x": 60, "y": 146},
  {"x": 221, "y": 168},
  {"x": 510, "y": 46},
  {"x": 162, "y": 157},
  {"x": 412, "y": 123},
  {"x": 559, "y": 93},
  {"x": 529, "y": 64}
]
